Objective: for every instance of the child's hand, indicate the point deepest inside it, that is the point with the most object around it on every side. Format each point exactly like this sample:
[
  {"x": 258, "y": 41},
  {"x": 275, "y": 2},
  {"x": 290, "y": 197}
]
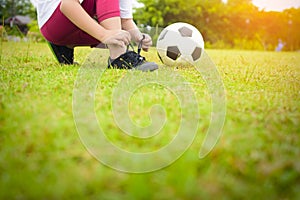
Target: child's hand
[
  {"x": 137, "y": 36},
  {"x": 117, "y": 37},
  {"x": 147, "y": 42}
]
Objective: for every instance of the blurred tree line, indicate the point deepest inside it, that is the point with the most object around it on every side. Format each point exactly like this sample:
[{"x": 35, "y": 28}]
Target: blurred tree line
[
  {"x": 9, "y": 8},
  {"x": 235, "y": 24},
  {"x": 12, "y": 8}
]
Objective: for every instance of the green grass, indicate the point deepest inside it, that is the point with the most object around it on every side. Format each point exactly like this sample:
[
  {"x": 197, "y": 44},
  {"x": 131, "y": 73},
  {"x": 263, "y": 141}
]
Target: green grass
[{"x": 257, "y": 157}]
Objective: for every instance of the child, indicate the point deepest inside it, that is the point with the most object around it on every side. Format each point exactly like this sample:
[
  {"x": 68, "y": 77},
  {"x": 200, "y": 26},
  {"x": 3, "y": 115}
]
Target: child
[{"x": 70, "y": 23}]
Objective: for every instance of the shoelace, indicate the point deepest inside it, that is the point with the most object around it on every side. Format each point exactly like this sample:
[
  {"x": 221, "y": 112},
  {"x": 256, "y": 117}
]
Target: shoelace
[
  {"x": 139, "y": 46},
  {"x": 136, "y": 57},
  {"x": 131, "y": 59}
]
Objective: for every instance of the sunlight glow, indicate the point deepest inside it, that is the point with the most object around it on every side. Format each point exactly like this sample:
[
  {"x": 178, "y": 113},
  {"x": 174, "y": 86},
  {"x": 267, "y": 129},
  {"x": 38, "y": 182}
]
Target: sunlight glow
[
  {"x": 268, "y": 5},
  {"x": 276, "y": 5}
]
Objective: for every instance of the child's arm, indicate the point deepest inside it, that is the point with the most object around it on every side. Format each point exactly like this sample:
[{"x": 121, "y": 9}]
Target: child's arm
[{"x": 75, "y": 13}]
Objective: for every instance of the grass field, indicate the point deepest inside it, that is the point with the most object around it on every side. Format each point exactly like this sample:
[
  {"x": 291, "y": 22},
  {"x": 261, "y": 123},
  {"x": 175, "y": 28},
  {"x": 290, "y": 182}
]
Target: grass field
[{"x": 257, "y": 157}]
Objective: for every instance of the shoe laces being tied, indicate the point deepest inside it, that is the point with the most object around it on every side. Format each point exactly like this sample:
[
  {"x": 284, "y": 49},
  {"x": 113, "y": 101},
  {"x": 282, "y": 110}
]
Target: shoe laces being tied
[
  {"x": 130, "y": 59},
  {"x": 134, "y": 59}
]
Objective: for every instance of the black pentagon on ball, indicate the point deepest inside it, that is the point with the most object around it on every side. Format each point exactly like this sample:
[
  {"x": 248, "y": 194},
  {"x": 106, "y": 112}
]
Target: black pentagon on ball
[
  {"x": 173, "y": 52},
  {"x": 185, "y": 32},
  {"x": 196, "y": 53}
]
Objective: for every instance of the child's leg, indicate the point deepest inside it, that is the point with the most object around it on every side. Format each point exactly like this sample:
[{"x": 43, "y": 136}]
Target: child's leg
[
  {"x": 61, "y": 31},
  {"x": 113, "y": 23},
  {"x": 108, "y": 15}
]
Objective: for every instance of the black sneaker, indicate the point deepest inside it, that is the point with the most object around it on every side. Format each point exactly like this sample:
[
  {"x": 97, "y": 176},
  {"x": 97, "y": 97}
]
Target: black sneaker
[
  {"x": 132, "y": 60},
  {"x": 63, "y": 54}
]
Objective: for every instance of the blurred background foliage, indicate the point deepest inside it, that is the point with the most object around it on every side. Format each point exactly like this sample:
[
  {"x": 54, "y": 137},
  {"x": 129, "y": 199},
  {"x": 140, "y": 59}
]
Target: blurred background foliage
[
  {"x": 236, "y": 24},
  {"x": 9, "y": 8}
]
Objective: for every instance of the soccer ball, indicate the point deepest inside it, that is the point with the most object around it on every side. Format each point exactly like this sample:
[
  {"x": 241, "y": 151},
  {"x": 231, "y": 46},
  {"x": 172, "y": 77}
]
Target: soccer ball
[{"x": 180, "y": 43}]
